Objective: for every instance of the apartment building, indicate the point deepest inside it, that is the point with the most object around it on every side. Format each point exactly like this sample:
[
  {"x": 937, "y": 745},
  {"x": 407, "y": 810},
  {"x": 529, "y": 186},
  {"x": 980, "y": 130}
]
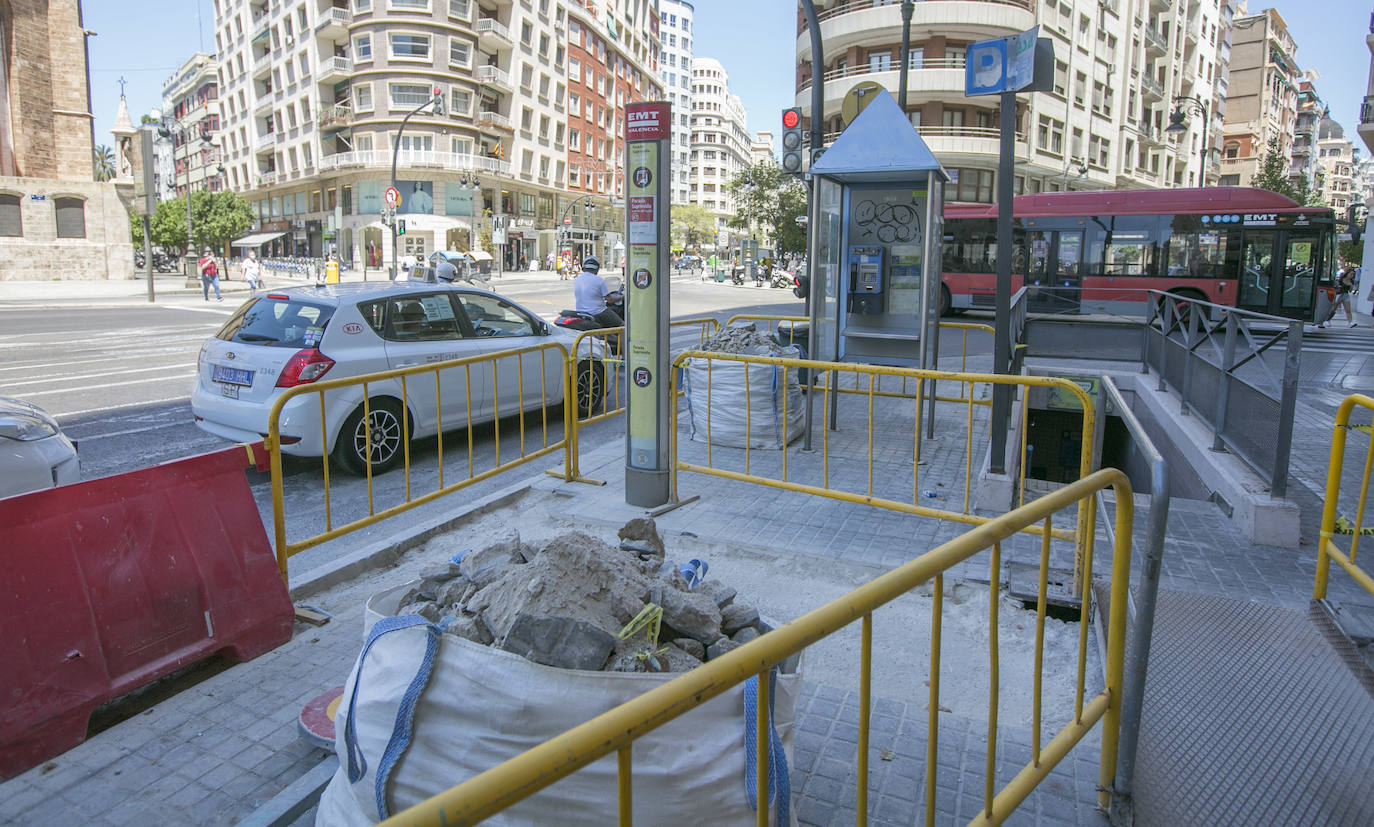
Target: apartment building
[
  {"x": 721, "y": 144},
  {"x": 1304, "y": 167},
  {"x": 315, "y": 93},
  {"x": 1338, "y": 158},
  {"x": 1262, "y": 99},
  {"x": 1122, "y": 68},
  {"x": 675, "y": 40},
  {"x": 190, "y": 157},
  {"x": 761, "y": 148}
]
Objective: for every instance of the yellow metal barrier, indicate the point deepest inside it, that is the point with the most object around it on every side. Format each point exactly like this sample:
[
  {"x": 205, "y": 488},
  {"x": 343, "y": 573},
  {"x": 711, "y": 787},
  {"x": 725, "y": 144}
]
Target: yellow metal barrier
[
  {"x": 820, "y": 482},
  {"x": 1328, "y": 549},
  {"x": 614, "y": 731},
  {"x": 389, "y": 388}
]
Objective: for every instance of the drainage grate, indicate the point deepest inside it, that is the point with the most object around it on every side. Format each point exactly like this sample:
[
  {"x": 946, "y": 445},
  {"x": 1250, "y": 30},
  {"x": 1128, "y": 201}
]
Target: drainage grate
[{"x": 1250, "y": 718}]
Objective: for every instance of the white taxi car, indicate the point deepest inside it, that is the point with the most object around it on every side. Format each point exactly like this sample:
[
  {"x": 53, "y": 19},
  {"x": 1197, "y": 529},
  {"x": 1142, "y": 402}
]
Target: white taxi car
[{"x": 284, "y": 339}]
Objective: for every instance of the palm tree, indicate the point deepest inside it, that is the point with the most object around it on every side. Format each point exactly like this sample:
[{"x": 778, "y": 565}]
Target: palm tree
[{"x": 104, "y": 163}]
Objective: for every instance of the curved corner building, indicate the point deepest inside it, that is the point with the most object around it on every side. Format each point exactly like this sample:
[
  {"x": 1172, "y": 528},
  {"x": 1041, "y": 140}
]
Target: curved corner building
[{"x": 1122, "y": 67}]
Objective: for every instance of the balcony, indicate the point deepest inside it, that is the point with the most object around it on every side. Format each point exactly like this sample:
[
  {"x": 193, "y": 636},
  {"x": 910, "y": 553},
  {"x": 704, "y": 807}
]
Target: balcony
[
  {"x": 1366, "y": 127},
  {"x": 410, "y": 159},
  {"x": 260, "y": 28},
  {"x": 495, "y": 77},
  {"x": 263, "y": 107},
  {"x": 1151, "y": 135},
  {"x": 265, "y": 142},
  {"x": 1156, "y": 42},
  {"x": 333, "y": 22},
  {"x": 492, "y": 35},
  {"x": 266, "y": 179},
  {"x": 334, "y": 68},
  {"x": 932, "y": 79},
  {"x": 494, "y": 120},
  {"x": 1161, "y": 5},
  {"x": 261, "y": 63},
  {"x": 849, "y": 23},
  {"x": 1151, "y": 88},
  {"x": 337, "y": 116}
]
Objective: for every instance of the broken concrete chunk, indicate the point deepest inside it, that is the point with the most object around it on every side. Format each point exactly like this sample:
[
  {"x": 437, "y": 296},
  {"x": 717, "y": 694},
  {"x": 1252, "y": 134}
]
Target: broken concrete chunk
[
  {"x": 736, "y": 616},
  {"x": 454, "y": 594},
  {"x": 679, "y": 660},
  {"x": 564, "y": 642},
  {"x": 695, "y": 648},
  {"x": 745, "y": 635},
  {"x": 691, "y": 614},
  {"x": 490, "y": 573},
  {"x": 423, "y": 608},
  {"x": 439, "y": 572},
  {"x": 724, "y": 596},
  {"x": 643, "y": 528},
  {"x": 643, "y": 549},
  {"x": 470, "y": 627},
  {"x": 720, "y": 647}
]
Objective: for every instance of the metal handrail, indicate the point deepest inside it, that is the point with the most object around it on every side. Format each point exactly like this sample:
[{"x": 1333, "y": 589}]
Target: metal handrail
[
  {"x": 1327, "y": 550},
  {"x": 615, "y": 731}
]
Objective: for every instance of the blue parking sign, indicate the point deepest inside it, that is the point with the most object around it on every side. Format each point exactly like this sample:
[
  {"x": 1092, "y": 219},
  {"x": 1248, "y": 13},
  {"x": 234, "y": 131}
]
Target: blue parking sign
[{"x": 985, "y": 70}]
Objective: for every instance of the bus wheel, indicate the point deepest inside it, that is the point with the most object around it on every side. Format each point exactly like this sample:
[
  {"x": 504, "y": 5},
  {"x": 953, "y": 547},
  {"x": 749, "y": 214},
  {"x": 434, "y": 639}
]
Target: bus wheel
[
  {"x": 946, "y": 302},
  {"x": 1184, "y": 309}
]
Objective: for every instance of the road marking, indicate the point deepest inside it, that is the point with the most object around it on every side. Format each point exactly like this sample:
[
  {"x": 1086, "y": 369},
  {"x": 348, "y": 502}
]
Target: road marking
[
  {"x": 85, "y": 388},
  {"x": 67, "y": 378},
  {"x": 219, "y": 311},
  {"x": 91, "y": 437},
  {"x": 186, "y": 398}
]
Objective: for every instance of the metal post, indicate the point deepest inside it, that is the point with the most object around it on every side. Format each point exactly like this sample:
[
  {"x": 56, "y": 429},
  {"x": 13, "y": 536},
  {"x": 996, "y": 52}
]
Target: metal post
[
  {"x": 148, "y": 253},
  {"x": 1189, "y": 334},
  {"x": 1001, "y": 394},
  {"x": 395, "y": 153},
  {"x": 1228, "y": 361},
  {"x": 1288, "y": 403},
  {"x": 1202, "y": 173},
  {"x": 814, "y": 317},
  {"x": 908, "y": 6}
]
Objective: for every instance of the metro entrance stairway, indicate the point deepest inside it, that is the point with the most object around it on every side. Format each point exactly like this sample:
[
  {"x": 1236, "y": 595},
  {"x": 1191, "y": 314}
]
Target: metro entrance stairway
[{"x": 1250, "y": 717}]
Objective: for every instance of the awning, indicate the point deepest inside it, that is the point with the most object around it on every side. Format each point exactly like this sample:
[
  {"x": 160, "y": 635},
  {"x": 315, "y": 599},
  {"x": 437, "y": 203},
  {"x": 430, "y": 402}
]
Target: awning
[{"x": 256, "y": 239}]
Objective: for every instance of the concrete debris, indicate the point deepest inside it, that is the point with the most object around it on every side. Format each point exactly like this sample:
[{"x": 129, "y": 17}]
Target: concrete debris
[
  {"x": 746, "y": 339},
  {"x": 565, "y": 604},
  {"x": 736, "y": 616}
]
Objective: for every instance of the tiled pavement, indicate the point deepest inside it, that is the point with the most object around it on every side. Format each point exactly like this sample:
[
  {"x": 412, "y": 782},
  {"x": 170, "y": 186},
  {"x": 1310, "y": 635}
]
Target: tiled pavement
[{"x": 215, "y": 752}]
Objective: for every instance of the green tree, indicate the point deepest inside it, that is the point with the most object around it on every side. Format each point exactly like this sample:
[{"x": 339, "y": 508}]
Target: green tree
[
  {"x": 216, "y": 218},
  {"x": 1351, "y": 251},
  {"x": 693, "y": 225},
  {"x": 1272, "y": 175},
  {"x": 104, "y": 162},
  {"x": 769, "y": 201}
]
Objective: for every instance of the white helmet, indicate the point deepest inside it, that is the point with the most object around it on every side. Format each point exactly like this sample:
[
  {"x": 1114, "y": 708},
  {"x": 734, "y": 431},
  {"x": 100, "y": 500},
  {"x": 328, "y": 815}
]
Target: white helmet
[{"x": 591, "y": 264}]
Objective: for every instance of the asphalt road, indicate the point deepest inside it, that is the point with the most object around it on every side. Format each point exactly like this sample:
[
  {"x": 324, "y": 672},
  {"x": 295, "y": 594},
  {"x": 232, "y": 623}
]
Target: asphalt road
[{"x": 117, "y": 374}]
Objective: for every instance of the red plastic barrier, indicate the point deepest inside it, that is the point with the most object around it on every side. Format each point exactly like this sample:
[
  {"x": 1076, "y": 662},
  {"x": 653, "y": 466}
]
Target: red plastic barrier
[{"x": 109, "y": 584}]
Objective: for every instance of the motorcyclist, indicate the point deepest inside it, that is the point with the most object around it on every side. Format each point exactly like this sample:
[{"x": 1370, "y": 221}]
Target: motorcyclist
[
  {"x": 590, "y": 294},
  {"x": 444, "y": 270}
]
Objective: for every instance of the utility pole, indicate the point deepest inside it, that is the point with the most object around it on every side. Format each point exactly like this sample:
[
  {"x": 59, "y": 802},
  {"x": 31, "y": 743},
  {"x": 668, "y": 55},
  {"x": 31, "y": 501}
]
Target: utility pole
[{"x": 437, "y": 101}]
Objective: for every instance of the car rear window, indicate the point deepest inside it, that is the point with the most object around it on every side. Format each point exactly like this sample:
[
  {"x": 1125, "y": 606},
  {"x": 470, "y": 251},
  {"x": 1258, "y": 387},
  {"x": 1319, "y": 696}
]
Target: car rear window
[{"x": 277, "y": 323}]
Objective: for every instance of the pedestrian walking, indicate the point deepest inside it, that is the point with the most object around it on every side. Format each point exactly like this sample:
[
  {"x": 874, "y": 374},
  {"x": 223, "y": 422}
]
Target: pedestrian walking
[
  {"x": 209, "y": 275},
  {"x": 252, "y": 272},
  {"x": 1345, "y": 294}
]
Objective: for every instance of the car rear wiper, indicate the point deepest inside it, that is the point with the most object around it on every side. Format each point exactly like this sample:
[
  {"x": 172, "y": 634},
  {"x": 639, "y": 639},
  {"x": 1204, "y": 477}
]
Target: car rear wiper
[{"x": 254, "y": 337}]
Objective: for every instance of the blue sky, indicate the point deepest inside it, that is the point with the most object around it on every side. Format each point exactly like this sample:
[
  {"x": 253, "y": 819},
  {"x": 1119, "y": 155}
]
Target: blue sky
[{"x": 145, "y": 42}]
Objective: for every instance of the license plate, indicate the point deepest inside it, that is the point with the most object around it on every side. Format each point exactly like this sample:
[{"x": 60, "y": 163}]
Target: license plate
[
  {"x": 232, "y": 376},
  {"x": 231, "y": 391}
]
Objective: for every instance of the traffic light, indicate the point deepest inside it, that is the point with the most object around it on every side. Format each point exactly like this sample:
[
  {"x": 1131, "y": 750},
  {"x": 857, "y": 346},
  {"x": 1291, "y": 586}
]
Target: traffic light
[
  {"x": 401, "y": 227},
  {"x": 438, "y": 101},
  {"x": 791, "y": 140}
]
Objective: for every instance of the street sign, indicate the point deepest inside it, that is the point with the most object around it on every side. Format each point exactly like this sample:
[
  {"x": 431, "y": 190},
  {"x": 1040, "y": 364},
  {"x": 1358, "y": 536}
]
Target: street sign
[
  {"x": 392, "y": 197},
  {"x": 1005, "y": 64}
]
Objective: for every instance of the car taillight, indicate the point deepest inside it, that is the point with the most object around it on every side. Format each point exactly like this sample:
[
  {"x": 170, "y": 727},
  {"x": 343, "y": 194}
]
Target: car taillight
[
  {"x": 281, "y": 296},
  {"x": 303, "y": 368}
]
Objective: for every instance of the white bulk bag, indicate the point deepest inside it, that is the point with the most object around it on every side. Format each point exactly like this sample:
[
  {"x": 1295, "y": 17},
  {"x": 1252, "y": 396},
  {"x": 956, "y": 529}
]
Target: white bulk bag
[
  {"x": 481, "y": 706},
  {"x": 740, "y": 416}
]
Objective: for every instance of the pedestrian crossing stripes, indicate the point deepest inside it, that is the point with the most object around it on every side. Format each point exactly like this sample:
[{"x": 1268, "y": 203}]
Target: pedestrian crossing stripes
[{"x": 1338, "y": 340}]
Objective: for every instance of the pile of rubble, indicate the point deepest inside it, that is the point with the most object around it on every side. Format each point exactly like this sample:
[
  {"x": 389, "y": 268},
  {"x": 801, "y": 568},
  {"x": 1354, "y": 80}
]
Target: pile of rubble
[
  {"x": 745, "y": 338},
  {"x": 566, "y": 604}
]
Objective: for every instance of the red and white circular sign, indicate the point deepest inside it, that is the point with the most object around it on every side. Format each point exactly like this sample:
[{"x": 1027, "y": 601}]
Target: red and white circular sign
[{"x": 392, "y": 196}]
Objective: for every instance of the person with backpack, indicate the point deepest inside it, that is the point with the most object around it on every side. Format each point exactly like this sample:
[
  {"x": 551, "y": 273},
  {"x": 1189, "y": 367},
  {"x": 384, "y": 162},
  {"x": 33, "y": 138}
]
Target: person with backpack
[
  {"x": 1345, "y": 295},
  {"x": 209, "y": 275}
]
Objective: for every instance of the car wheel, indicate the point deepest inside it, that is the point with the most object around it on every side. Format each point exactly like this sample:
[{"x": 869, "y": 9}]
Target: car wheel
[
  {"x": 591, "y": 387},
  {"x": 380, "y": 444}
]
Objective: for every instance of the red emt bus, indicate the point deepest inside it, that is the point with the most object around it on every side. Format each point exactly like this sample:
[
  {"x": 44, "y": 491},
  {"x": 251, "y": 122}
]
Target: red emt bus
[{"x": 1097, "y": 251}]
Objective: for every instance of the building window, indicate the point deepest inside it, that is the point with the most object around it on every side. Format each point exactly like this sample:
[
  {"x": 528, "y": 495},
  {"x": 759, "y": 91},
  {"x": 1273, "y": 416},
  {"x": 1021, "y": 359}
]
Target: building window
[
  {"x": 410, "y": 47},
  {"x": 362, "y": 6},
  {"x": 461, "y": 102},
  {"x": 460, "y": 9},
  {"x": 459, "y": 52},
  {"x": 362, "y": 97},
  {"x": 409, "y": 95},
  {"x": 11, "y": 220},
  {"x": 410, "y": 5},
  {"x": 71, "y": 218}
]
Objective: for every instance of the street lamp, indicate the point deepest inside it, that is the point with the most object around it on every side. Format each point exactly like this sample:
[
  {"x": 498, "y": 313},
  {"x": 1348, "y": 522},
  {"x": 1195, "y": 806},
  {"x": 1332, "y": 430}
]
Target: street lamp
[
  {"x": 435, "y": 100},
  {"x": 1178, "y": 124},
  {"x": 167, "y": 126}
]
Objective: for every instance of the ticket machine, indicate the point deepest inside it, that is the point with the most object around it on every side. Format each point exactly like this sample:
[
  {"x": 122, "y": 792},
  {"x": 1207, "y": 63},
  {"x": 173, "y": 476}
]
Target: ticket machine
[{"x": 878, "y": 222}]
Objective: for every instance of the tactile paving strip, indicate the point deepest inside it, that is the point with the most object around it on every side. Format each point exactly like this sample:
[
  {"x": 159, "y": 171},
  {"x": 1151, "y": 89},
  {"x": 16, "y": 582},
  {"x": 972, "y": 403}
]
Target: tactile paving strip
[{"x": 1250, "y": 718}]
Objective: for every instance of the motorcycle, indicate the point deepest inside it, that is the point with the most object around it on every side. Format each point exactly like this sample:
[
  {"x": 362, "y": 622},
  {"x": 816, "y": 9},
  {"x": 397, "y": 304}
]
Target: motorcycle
[
  {"x": 577, "y": 320},
  {"x": 737, "y": 274},
  {"x": 781, "y": 278}
]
